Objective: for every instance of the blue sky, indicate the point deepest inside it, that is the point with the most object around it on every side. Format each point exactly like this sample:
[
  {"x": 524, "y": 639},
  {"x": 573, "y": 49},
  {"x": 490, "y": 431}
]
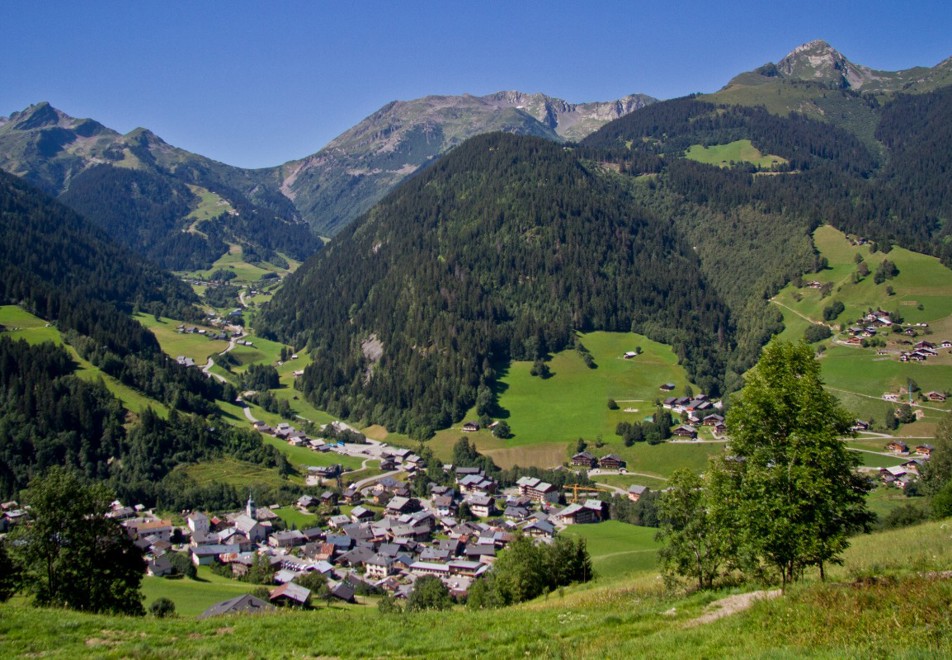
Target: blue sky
[{"x": 260, "y": 83}]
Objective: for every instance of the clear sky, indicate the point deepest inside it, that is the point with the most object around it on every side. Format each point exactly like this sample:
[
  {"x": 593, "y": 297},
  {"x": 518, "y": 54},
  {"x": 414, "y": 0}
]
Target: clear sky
[{"x": 260, "y": 83}]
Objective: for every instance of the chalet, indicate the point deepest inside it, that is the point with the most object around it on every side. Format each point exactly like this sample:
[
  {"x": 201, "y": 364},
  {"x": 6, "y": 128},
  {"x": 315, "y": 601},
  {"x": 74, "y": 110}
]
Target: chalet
[
  {"x": 713, "y": 420},
  {"x": 399, "y": 505},
  {"x": 860, "y": 425},
  {"x": 291, "y": 594},
  {"x": 140, "y": 528},
  {"x": 343, "y": 591},
  {"x": 898, "y": 447},
  {"x": 329, "y": 498},
  {"x": 444, "y": 505},
  {"x": 946, "y": 344},
  {"x": 667, "y": 387},
  {"x": 205, "y": 555},
  {"x": 306, "y": 501},
  {"x": 245, "y": 604},
  {"x": 611, "y": 462},
  {"x": 913, "y": 467},
  {"x": 476, "y": 483},
  {"x": 378, "y": 566},
  {"x": 360, "y": 514},
  {"x": 584, "y": 459},
  {"x": 429, "y": 568},
  {"x": 540, "y": 529},
  {"x": 686, "y": 431},
  {"x": 635, "y": 492},
  {"x": 287, "y": 539},
  {"x": 935, "y": 396},
  {"x": 924, "y": 450},
  {"x": 580, "y": 514},
  {"x": 482, "y": 506},
  {"x": 351, "y": 496},
  {"x": 470, "y": 427},
  {"x": 516, "y": 513},
  {"x": 537, "y": 490},
  {"x": 159, "y": 567}
]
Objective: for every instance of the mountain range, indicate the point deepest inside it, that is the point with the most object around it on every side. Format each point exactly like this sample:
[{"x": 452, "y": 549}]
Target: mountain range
[{"x": 506, "y": 245}]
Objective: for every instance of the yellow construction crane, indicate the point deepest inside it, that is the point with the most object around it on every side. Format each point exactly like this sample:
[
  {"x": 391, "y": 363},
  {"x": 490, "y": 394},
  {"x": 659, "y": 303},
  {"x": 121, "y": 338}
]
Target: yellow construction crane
[{"x": 575, "y": 488}]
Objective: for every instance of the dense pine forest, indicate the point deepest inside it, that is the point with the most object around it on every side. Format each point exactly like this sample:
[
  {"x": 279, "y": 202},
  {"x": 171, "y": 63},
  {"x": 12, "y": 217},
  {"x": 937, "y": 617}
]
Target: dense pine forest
[
  {"x": 507, "y": 246},
  {"x": 500, "y": 251},
  {"x": 60, "y": 267}
]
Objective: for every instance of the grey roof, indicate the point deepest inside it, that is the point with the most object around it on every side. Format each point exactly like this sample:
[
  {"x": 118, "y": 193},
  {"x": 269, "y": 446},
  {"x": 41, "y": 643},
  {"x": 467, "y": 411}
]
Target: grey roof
[{"x": 246, "y": 604}]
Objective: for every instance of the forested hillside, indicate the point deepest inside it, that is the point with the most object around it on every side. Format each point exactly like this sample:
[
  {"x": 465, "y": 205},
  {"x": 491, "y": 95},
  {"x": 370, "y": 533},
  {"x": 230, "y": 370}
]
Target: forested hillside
[
  {"x": 499, "y": 251},
  {"x": 58, "y": 266}
]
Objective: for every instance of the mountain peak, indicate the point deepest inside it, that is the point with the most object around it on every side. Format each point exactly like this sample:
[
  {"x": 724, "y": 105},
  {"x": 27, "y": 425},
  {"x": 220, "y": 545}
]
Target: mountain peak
[{"x": 38, "y": 115}]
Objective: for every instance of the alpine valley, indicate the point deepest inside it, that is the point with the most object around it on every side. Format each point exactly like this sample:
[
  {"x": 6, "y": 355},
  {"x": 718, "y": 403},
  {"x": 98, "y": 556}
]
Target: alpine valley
[{"x": 570, "y": 285}]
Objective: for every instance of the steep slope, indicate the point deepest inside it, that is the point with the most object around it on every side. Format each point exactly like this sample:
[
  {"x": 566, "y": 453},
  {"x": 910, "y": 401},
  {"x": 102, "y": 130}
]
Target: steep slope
[
  {"x": 354, "y": 171},
  {"x": 816, "y": 80},
  {"x": 136, "y": 187},
  {"x": 63, "y": 268},
  {"x": 499, "y": 250}
]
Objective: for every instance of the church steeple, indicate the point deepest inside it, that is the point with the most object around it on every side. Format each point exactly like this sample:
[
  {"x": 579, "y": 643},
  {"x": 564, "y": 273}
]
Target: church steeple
[{"x": 250, "y": 508}]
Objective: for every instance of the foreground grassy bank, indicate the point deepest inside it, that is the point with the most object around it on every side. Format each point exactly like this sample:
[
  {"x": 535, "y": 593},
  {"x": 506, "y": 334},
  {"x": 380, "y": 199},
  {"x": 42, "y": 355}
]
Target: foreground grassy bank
[{"x": 886, "y": 600}]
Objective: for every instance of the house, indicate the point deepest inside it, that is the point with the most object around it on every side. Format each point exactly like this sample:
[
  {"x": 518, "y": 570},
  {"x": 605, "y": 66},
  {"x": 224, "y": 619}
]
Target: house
[
  {"x": 140, "y": 528},
  {"x": 245, "y": 604},
  {"x": 444, "y": 505},
  {"x": 482, "y": 506},
  {"x": 540, "y": 529},
  {"x": 343, "y": 591},
  {"x": 576, "y": 514},
  {"x": 537, "y": 490},
  {"x": 359, "y": 514},
  {"x": 860, "y": 425},
  {"x": 686, "y": 431},
  {"x": 935, "y": 396},
  {"x": 470, "y": 427},
  {"x": 898, "y": 447},
  {"x": 290, "y": 593},
  {"x": 584, "y": 459},
  {"x": 667, "y": 387},
  {"x": 611, "y": 462},
  {"x": 159, "y": 567},
  {"x": 635, "y": 492},
  {"x": 287, "y": 539},
  {"x": 378, "y": 566},
  {"x": 198, "y": 522},
  {"x": 399, "y": 505},
  {"x": 351, "y": 496},
  {"x": 924, "y": 450}
]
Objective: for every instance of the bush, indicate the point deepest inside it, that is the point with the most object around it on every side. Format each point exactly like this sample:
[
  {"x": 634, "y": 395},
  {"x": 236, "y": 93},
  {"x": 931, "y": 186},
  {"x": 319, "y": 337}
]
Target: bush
[
  {"x": 815, "y": 333},
  {"x": 162, "y": 608}
]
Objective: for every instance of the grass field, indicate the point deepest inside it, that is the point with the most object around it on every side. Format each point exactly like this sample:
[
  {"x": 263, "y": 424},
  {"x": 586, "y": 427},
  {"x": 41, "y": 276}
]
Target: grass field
[
  {"x": 192, "y": 597},
  {"x": 617, "y": 548},
  {"x": 740, "y": 151},
  {"x": 880, "y": 603},
  {"x": 233, "y": 472},
  {"x": 175, "y": 343},
  {"x": 21, "y": 324},
  {"x": 859, "y": 376}
]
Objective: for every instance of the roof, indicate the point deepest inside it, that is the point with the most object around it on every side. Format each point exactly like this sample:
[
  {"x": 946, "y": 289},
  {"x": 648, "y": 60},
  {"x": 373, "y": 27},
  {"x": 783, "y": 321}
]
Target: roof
[
  {"x": 292, "y": 591},
  {"x": 246, "y": 604}
]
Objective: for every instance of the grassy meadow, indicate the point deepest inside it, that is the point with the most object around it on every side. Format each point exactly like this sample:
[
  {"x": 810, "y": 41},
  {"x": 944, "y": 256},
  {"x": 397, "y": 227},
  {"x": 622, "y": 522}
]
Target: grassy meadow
[
  {"x": 921, "y": 293},
  {"x": 739, "y": 151},
  {"x": 883, "y": 602}
]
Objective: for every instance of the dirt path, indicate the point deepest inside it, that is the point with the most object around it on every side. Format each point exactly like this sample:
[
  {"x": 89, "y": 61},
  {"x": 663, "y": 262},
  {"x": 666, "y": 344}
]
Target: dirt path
[
  {"x": 731, "y": 605},
  {"x": 792, "y": 310}
]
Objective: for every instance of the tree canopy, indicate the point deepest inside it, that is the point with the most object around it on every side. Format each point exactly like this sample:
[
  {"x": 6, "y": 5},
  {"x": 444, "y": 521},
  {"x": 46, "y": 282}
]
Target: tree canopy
[
  {"x": 800, "y": 496},
  {"x": 71, "y": 554}
]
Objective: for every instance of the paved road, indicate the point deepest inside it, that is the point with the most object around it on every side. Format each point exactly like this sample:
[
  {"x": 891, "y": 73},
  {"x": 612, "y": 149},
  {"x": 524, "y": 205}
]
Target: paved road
[
  {"x": 369, "y": 480},
  {"x": 211, "y": 363}
]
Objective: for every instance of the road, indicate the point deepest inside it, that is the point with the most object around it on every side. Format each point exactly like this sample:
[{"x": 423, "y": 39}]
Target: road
[{"x": 211, "y": 363}]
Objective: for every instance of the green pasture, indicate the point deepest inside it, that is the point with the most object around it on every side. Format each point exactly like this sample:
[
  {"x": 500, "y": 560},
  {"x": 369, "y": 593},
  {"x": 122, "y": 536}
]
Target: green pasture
[
  {"x": 294, "y": 518},
  {"x": 192, "y": 597},
  {"x": 21, "y": 324},
  {"x": 879, "y": 603},
  {"x": 572, "y": 403},
  {"x": 175, "y": 343},
  {"x": 210, "y": 205},
  {"x": 234, "y": 261},
  {"x": 618, "y": 548},
  {"x": 231, "y": 471},
  {"x": 739, "y": 151}
]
